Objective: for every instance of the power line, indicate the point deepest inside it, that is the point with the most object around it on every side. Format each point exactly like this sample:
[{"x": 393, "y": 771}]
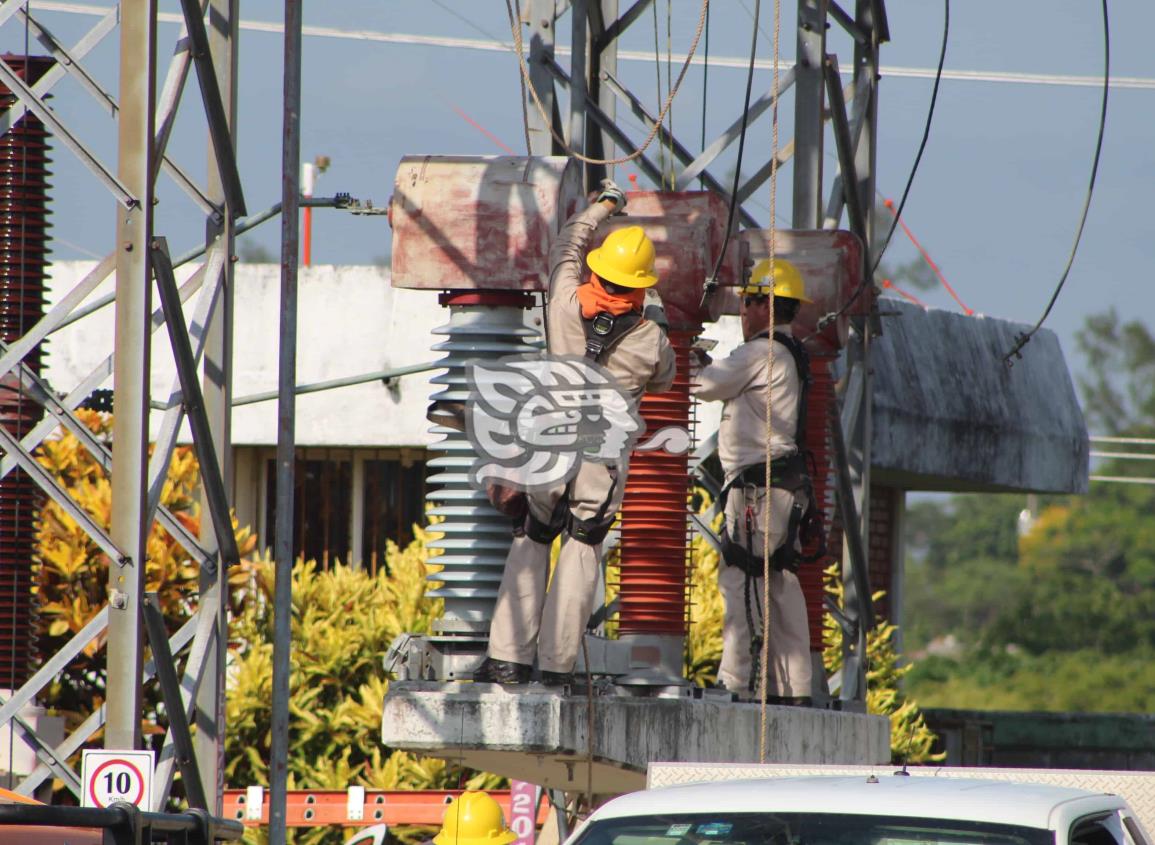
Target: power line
[
  {"x": 712, "y": 281},
  {"x": 1102, "y": 438},
  {"x": 922, "y": 143},
  {"x": 1024, "y": 339},
  {"x": 1143, "y": 83},
  {"x": 476, "y": 27},
  {"x": 868, "y": 278}
]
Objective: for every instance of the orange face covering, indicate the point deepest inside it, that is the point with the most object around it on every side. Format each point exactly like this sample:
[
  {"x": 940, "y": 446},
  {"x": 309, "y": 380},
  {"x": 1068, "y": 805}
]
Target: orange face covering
[{"x": 594, "y": 299}]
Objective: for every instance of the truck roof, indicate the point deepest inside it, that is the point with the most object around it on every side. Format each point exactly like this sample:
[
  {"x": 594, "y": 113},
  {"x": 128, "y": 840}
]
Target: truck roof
[{"x": 1024, "y": 804}]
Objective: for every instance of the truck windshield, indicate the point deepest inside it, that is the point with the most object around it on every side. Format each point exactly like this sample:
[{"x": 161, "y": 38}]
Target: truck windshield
[{"x": 803, "y": 829}]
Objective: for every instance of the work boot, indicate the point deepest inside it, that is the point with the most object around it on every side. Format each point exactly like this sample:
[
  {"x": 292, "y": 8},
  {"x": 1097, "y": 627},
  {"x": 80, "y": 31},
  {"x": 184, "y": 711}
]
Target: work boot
[
  {"x": 790, "y": 700},
  {"x": 556, "y": 679},
  {"x": 493, "y": 671}
]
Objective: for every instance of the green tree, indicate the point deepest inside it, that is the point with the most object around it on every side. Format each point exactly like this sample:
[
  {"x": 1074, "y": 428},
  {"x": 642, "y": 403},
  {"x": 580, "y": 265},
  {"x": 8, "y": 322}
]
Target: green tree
[
  {"x": 1108, "y": 535},
  {"x": 249, "y": 251},
  {"x": 1086, "y": 681},
  {"x": 961, "y": 572},
  {"x": 1119, "y": 386},
  {"x": 1063, "y": 617}
]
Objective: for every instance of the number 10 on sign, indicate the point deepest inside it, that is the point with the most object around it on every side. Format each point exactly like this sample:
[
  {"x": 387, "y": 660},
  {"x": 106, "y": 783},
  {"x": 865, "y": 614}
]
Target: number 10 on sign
[{"x": 111, "y": 776}]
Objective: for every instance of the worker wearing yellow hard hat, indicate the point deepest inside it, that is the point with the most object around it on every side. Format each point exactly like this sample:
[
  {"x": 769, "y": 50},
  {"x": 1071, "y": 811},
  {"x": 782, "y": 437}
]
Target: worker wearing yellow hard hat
[
  {"x": 603, "y": 310},
  {"x": 741, "y": 382},
  {"x": 784, "y": 280},
  {"x": 626, "y": 258},
  {"x": 474, "y": 818}
]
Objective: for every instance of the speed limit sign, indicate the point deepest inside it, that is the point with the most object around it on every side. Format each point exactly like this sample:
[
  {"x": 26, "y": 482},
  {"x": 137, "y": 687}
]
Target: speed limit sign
[{"x": 112, "y": 776}]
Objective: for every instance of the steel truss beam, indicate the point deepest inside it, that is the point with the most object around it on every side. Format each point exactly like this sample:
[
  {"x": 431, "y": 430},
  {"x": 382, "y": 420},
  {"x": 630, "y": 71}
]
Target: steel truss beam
[
  {"x": 62, "y": 412},
  {"x": 173, "y": 703},
  {"x": 186, "y": 366},
  {"x": 68, "y": 62},
  {"x": 591, "y": 126},
  {"x": 18, "y": 453},
  {"x": 28, "y": 99},
  {"x": 94, "y": 629},
  {"x": 145, "y": 120}
]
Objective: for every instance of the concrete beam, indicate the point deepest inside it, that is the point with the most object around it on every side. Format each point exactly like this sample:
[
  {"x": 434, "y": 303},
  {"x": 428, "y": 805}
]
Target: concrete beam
[
  {"x": 949, "y": 415},
  {"x": 540, "y": 736}
]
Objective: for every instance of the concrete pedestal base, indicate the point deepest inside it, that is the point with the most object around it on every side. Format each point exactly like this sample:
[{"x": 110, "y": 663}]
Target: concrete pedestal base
[{"x": 539, "y": 735}]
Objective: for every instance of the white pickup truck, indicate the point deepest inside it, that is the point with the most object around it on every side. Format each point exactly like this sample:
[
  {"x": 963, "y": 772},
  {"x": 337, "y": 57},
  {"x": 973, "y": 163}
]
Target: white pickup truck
[{"x": 871, "y": 806}]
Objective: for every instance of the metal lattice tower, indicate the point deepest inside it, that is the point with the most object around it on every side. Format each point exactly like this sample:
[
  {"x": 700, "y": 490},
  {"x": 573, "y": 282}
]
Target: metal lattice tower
[{"x": 144, "y": 119}]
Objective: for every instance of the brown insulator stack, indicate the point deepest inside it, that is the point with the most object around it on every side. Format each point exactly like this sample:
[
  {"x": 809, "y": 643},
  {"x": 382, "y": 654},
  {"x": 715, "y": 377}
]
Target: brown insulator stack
[
  {"x": 820, "y": 399},
  {"x": 23, "y": 246},
  {"x": 654, "y": 540}
]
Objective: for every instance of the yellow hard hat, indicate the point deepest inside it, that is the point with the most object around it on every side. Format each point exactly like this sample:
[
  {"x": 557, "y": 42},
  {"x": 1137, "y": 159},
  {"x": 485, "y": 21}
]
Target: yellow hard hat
[
  {"x": 787, "y": 280},
  {"x": 626, "y": 258},
  {"x": 473, "y": 818}
]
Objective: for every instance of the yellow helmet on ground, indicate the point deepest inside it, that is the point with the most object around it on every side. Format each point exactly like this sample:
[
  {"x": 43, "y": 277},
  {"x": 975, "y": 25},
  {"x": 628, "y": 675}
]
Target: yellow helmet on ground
[
  {"x": 473, "y": 818},
  {"x": 626, "y": 258},
  {"x": 787, "y": 280}
]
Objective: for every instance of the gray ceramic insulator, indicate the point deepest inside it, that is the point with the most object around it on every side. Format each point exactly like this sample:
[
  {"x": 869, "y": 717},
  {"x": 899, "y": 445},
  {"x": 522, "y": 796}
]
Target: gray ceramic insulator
[{"x": 475, "y": 537}]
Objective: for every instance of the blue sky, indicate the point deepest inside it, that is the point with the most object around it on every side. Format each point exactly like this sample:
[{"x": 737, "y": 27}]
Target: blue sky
[{"x": 996, "y": 200}]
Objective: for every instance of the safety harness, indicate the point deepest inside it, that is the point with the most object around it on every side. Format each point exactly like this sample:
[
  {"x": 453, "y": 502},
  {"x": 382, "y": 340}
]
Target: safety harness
[
  {"x": 588, "y": 531},
  {"x": 604, "y": 330}
]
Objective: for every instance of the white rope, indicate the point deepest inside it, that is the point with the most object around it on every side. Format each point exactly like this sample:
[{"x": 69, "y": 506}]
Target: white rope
[{"x": 765, "y": 660}]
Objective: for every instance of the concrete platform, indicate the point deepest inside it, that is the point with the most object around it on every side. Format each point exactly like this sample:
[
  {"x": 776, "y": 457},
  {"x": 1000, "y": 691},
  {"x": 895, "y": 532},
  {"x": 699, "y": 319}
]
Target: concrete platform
[{"x": 554, "y": 740}]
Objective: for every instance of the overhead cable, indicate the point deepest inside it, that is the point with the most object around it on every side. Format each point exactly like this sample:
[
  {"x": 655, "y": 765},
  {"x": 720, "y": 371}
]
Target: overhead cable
[
  {"x": 712, "y": 280},
  {"x": 514, "y": 23},
  {"x": 476, "y": 27},
  {"x": 868, "y": 278},
  {"x": 1023, "y": 339},
  {"x": 1143, "y": 83}
]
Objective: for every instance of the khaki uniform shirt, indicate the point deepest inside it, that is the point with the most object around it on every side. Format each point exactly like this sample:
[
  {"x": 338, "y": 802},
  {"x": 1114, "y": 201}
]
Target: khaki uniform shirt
[
  {"x": 642, "y": 361},
  {"x": 739, "y": 381}
]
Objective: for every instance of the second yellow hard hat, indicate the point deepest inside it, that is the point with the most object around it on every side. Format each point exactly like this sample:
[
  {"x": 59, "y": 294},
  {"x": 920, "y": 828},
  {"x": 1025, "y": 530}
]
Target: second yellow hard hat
[{"x": 787, "y": 281}]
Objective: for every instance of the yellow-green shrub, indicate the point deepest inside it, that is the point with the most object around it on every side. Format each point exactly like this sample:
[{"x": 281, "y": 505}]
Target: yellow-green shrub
[
  {"x": 71, "y": 571},
  {"x": 910, "y": 738}
]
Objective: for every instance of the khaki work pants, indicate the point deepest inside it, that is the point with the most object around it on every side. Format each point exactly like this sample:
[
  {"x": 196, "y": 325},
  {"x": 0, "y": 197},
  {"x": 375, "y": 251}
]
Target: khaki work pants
[
  {"x": 530, "y": 619},
  {"x": 789, "y": 668}
]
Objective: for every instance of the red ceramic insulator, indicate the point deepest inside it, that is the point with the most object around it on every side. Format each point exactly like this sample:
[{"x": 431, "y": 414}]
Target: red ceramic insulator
[
  {"x": 654, "y": 527},
  {"x": 23, "y": 246},
  {"x": 492, "y": 298},
  {"x": 819, "y": 402}
]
